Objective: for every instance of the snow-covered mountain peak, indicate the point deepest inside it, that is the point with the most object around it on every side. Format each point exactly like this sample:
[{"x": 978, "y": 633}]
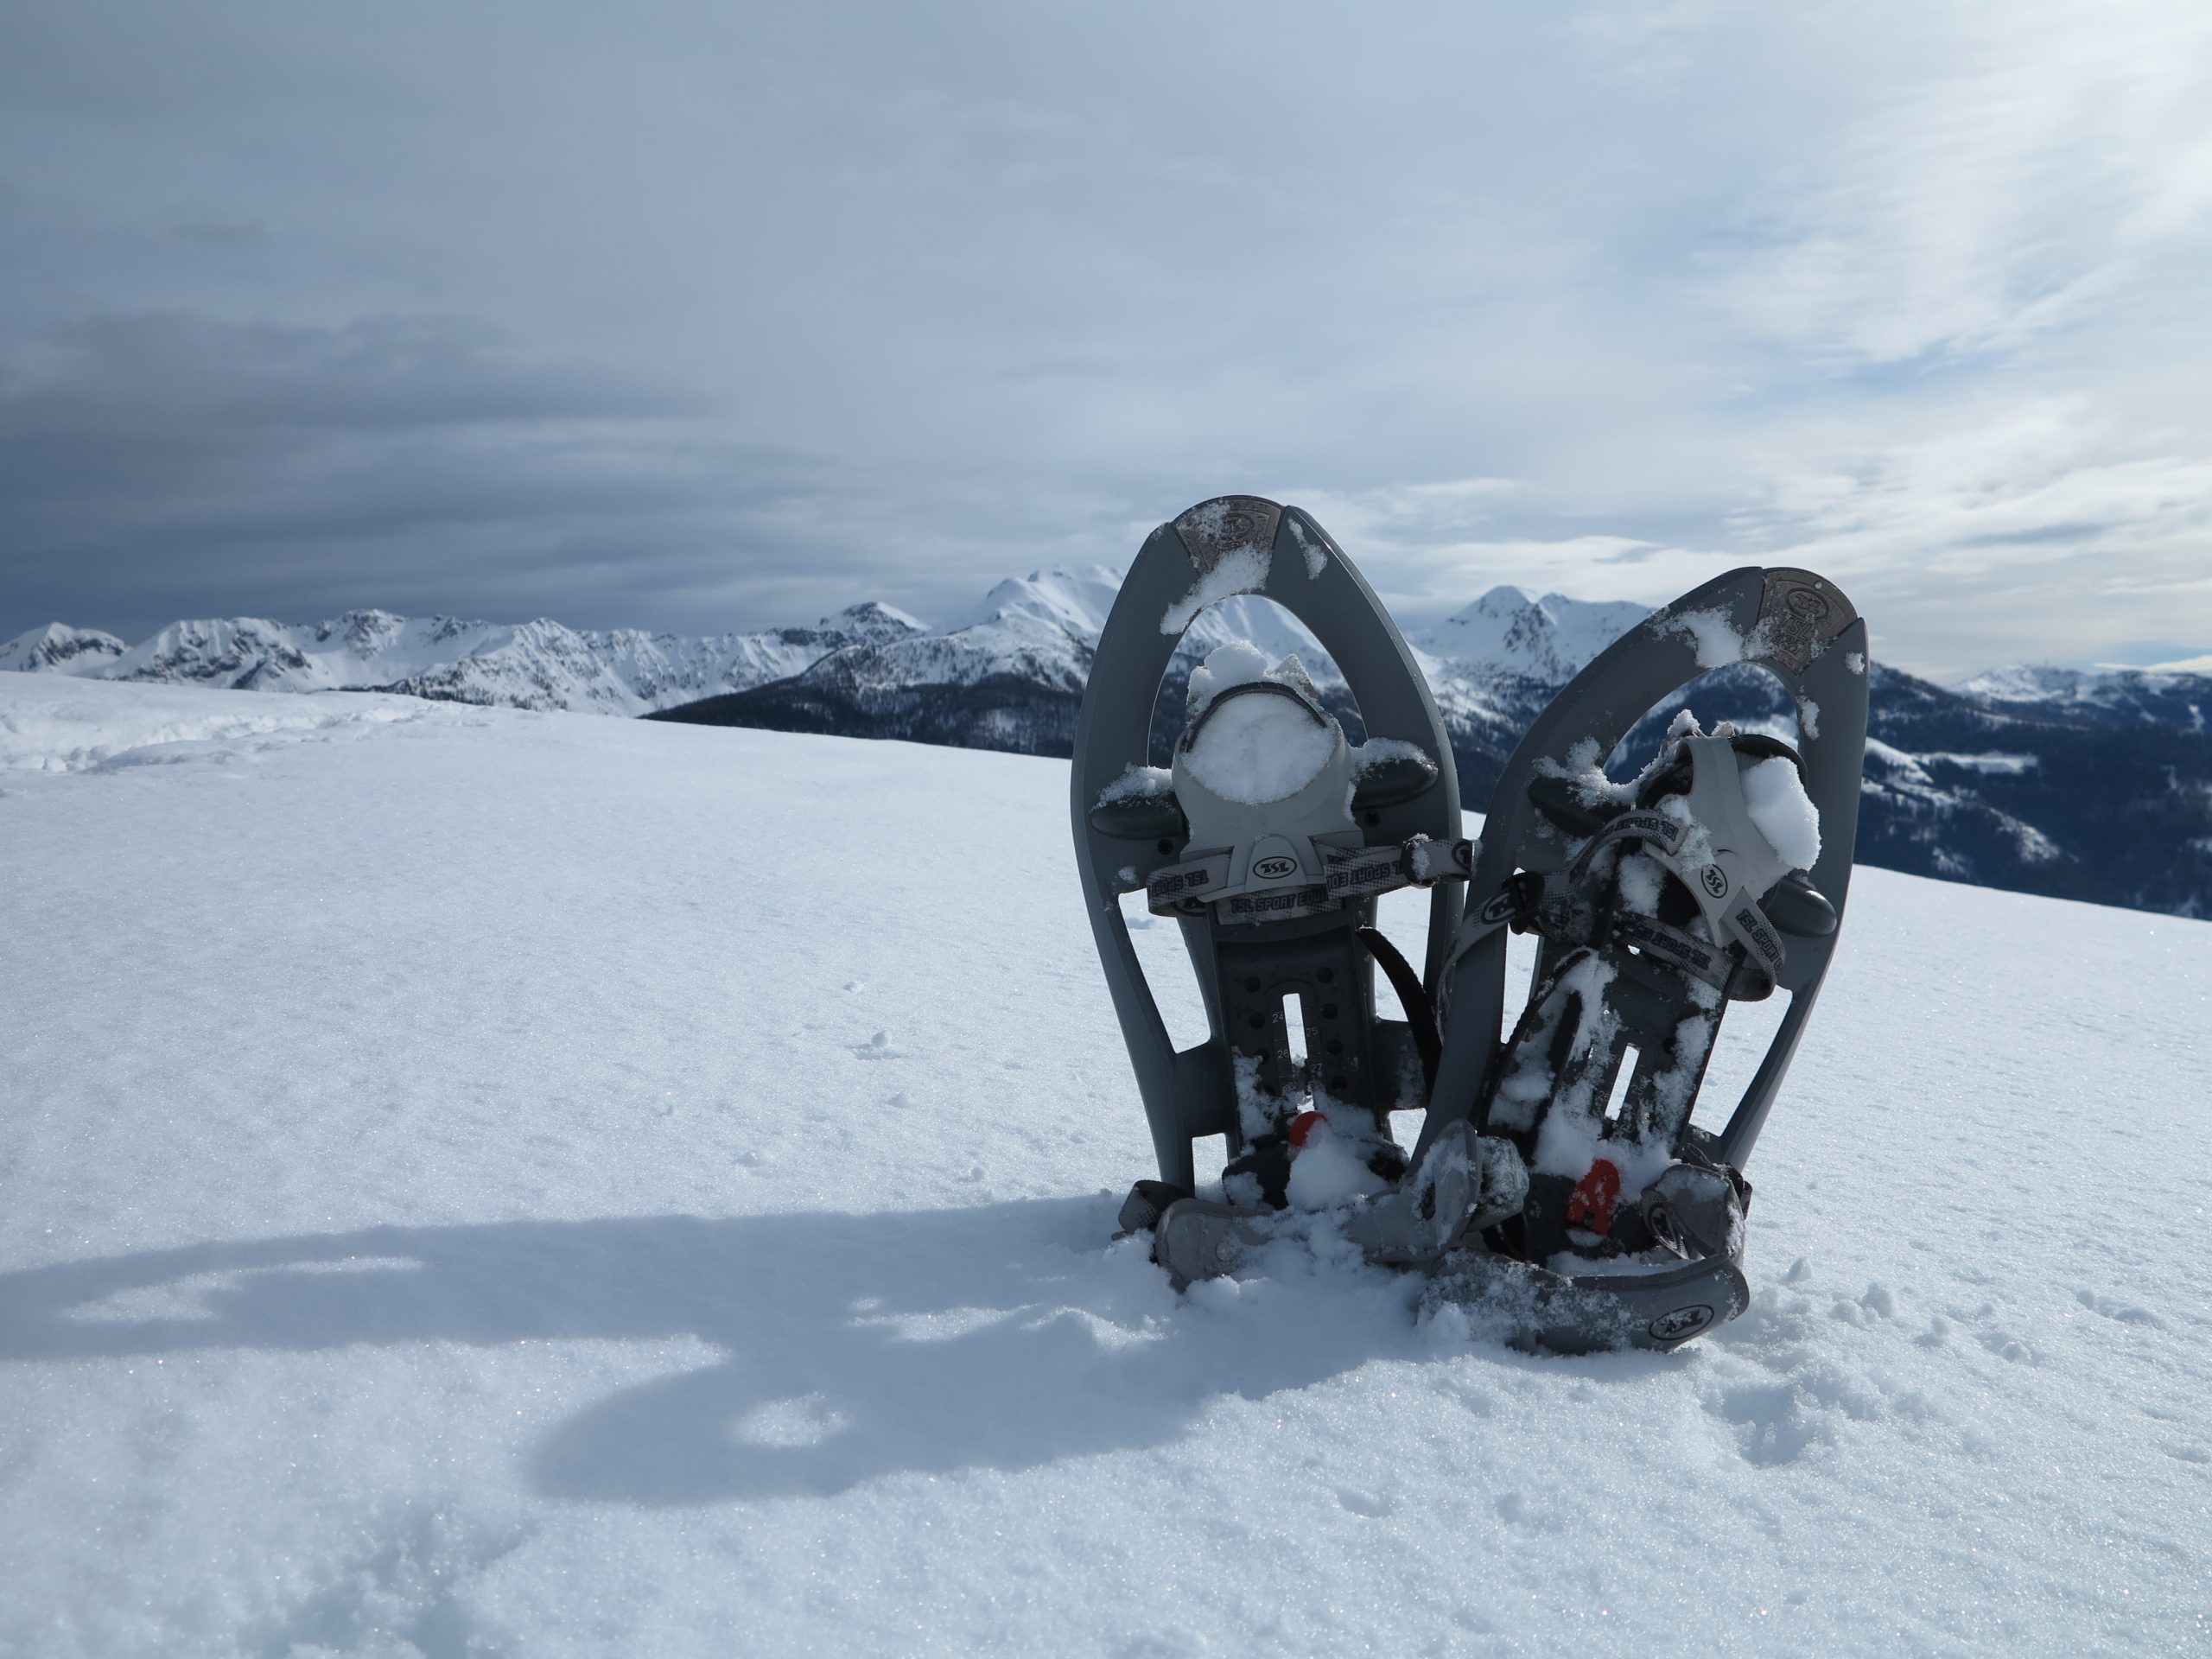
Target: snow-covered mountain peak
[
  {"x": 2025, "y": 683},
  {"x": 1504, "y": 599},
  {"x": 1041, "y": 628},
  {"x": 873, "y": 622},
  {"x": 57, "y": 648},
  {"x": 1075, "y": 602},
  {"x": 1548, "y": 638},
  {"x": 366, "y": 631}
]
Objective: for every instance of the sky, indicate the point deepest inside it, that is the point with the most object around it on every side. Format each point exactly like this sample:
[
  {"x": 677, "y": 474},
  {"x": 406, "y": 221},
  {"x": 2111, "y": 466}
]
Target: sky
[{"x": 709, "y": 316}]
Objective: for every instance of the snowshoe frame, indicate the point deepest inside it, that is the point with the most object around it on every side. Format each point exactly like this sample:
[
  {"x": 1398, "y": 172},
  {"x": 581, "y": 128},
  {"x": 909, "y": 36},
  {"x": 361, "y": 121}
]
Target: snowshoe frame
[
  {"x": 1227, "y": 546},
  {"x": 1794, "y": 625},
  {"x": 1800, "y": 629}
]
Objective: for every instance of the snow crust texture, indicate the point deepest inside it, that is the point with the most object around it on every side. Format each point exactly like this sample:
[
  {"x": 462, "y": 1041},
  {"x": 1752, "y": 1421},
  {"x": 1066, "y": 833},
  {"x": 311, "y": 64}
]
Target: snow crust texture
[{"x": 481, "y": 1185}]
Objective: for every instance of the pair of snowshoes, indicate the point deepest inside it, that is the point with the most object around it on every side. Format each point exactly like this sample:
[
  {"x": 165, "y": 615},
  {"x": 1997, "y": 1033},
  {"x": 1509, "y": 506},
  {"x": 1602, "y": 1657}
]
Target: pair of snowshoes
[{"x": 1559, "y": 1190}]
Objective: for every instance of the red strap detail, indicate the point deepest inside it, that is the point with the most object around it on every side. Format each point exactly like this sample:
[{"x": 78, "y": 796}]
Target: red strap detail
[
  {"x": 1302, "y": 1128},
  {"x": 1594, "y": 1196}
]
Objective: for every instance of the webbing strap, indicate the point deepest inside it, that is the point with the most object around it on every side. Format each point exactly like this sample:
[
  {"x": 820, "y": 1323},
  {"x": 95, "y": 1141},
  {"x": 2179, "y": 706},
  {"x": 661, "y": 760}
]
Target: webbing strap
[
  {"x": 1348, "y": 873},
  {"x": 1564, "y": 912}
]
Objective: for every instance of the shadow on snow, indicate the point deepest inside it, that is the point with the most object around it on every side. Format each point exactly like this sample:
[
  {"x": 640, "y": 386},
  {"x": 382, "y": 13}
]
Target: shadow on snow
[{"x": 856, "y": 1345}]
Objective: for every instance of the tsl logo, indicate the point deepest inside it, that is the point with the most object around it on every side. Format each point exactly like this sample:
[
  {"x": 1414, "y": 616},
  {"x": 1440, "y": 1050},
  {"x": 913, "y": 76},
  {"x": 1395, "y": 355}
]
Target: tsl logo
[
  {"x": 1683, "y": 1323},
  {"x": 1275, "y": 869}
]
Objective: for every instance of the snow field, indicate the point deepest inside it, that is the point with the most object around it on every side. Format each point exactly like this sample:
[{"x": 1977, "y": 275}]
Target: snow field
[{"x": 495, "y": 1183}]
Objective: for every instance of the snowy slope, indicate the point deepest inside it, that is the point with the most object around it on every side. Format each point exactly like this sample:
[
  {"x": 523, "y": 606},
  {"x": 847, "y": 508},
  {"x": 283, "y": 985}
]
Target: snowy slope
[{"x": 484, "y": 1182}]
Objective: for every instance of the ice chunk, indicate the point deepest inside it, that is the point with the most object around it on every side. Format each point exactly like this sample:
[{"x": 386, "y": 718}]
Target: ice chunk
[{"x": 1781, "y": 811}]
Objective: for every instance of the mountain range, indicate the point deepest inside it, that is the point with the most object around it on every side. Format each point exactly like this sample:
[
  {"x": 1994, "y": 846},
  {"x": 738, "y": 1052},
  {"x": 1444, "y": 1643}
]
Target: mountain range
[{"x": 2075, "y": 784}]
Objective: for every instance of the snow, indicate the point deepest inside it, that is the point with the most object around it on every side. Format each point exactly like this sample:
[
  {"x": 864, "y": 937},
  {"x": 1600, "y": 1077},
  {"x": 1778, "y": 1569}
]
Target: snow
[
  {"x": 1256, "y": 749},
  {"x": 57, "y": 648},
  {"x": 1237, "y": 662},
  {"x": 1774, "y": 796},
  {"x": 445, "y": 1209},
  {"x": 2009, "y": 766},
  {"x": 1548, "y": 638},
  {"x": 1239, "y": 571},
  {"x": 1328, "y": 1169},
  {"x": 1381, "y": 750},
  {"x": 68, "y": 725},
  {"x": 1316, "y": 553},
  {"x": 539, "y": 665},
  {"x": 1252, "y": 749},
  {"x": 1714, "y": 637},
  {"x": 1135, "y": 780}
]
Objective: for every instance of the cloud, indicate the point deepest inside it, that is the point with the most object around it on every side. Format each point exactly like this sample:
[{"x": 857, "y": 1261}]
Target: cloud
[
  {"x": 163, "y": 464},
  {"x": 701, "y": 318},
  {"x": 2012, "y": 169}
]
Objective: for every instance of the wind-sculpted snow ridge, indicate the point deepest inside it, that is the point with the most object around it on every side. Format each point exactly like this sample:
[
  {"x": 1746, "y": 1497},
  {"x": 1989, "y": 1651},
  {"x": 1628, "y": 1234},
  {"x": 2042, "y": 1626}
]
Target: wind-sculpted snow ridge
[{"x": 489, "y": 1185}]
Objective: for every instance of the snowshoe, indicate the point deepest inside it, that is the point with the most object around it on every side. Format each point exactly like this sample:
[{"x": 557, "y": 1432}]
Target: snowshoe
[
  {"x": 1268, "y": 841},
  {"x": 1717, "y": 876}
]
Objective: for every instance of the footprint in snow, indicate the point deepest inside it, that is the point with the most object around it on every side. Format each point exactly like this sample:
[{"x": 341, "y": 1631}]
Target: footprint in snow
[{"x": 2119, "y": 1311}]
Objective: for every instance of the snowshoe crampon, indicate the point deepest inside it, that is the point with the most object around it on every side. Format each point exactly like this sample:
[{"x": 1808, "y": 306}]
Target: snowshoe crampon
[
  {"x": 1268, "y": 841},
  {"x": 1717, "y": 876}
]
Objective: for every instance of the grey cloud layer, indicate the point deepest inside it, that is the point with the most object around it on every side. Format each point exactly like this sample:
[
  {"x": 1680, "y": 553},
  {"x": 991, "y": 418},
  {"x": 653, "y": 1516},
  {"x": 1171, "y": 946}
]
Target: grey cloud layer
[{"x": 699, "y": 318}]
